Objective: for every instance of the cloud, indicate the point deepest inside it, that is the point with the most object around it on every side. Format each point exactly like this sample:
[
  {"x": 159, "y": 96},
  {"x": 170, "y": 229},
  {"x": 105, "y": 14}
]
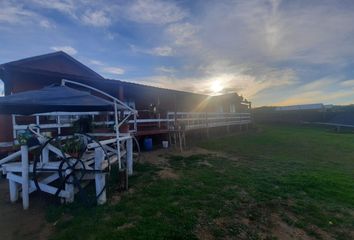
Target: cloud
[
  {"x": 110, "y": 35},
  {"x": 68, "y": 49},
  {"x": 320, "y": 84},
  {"x": 91, "y": 13},
  {"x": 104, "y": 13},
  {"x": 347, "y": 83},
  {"x": 182, "y": 33},
  {"x": 46, "y": 24},
  {"x": 64, "y": 6},
  {"x": 154, "y": 11},
  {"x": 318, "y": 96},
  {"x": 96, "y": 18},
  {"x": 95, "y": 62},
  {"x": 325, "y": 90},
  {"x": 113, "y": 70},
  {"x": 164, "y": 70},
  {"x": 164, "y": 51},
  {"x": 15, "y": 13}
]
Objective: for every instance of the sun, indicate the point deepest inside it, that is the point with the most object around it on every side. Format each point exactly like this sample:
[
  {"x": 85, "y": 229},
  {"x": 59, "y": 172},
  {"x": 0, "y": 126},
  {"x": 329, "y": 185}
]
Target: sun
[{"x": 216, "y": 87}]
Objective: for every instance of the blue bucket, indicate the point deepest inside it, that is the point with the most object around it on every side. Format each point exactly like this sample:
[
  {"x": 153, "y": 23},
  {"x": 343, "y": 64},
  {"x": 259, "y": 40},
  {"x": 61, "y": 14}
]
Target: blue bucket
[{"x": 148, "y": 144}]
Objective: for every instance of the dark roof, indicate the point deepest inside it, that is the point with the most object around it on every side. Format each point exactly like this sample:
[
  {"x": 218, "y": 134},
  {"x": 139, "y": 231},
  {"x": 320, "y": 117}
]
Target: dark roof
[
  {"x": 134, "y": 84},
  {"x": 60, "y": 58},
  {"x": 52, "y": 99}
]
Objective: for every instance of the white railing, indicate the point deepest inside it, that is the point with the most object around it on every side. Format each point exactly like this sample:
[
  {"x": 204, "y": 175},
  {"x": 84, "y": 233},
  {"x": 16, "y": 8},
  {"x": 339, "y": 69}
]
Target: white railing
[
  {"x": 190, "y": 120},
  {"x": 60, "y": 120},
  {"x": 18, "y": 172},
  {"x": 197, "y": 120}
]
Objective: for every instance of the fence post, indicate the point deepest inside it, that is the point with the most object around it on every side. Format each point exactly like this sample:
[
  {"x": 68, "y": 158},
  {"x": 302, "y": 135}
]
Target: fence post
[
  {"x": 207, "y": 124},
  {"x": 100, "y": 180},
  {"x": 130, "y": 156},
  {"x": 13, "y": 190},
  {"x": 70, "y": 189},
  {"x": 45, "y": 155},
  {"x": 25, "y": 181}
]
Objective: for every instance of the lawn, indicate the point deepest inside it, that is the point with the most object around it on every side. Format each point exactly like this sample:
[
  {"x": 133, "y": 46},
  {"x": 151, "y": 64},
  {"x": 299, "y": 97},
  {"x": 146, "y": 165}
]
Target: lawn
[{"x": 276, "y": 182}]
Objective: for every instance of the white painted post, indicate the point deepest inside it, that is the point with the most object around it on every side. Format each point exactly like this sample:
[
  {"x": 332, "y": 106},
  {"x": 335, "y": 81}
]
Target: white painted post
[
  {"x": 70, "y": 189},
  {"x": 130, "y": 156},
  {"x": 13, "y": 190},
  {"x": 37, "y": 122},
  {"x": 116, "y": 126},
  {"x": 100, "y": 180},
  {"x": 45, "y": 155},
  {"x": 25, "y": 180},
  {"x": 13, "y": 126}
]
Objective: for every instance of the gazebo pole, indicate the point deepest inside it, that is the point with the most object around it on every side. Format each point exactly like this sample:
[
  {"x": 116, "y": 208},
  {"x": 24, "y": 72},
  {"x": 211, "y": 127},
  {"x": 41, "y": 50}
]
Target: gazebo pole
[
  {"x": 117, "y": 134},
  {"x": 25, "y": 181}
]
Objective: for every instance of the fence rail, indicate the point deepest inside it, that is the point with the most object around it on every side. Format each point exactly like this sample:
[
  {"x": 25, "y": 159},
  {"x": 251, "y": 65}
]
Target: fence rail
[
  {"x": 197, "y": 120},
  {"x": 189, "y": 120}
]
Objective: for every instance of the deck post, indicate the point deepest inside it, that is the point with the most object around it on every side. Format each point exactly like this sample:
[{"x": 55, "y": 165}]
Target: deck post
[
  {"x": 25, "y": 180},
  {"x": 45, "y": 155},
  {"x": 13, "y": 190},
  {"x": 130, "y": 156},
  {"x": 207, "y": 124},
  {"x": 100, "y": 180},
  {"x": 70, "y": 189}
]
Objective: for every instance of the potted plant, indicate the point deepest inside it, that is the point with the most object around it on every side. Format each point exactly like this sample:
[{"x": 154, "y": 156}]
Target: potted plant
[
  {"x": 73, "y": 147},
  {"x": 83, "y": 125},
  {"x": 124, "y": 128}
]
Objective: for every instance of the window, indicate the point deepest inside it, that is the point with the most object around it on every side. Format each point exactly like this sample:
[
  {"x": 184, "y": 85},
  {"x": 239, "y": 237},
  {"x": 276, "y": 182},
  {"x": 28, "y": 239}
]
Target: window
[
  {"x": 232, "y": 108},
  {"x": 130, "y": 103}
]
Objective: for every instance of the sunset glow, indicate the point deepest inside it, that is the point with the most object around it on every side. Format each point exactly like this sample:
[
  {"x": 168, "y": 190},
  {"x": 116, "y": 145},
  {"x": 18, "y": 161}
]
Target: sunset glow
[{"x": 216, "y": 87}]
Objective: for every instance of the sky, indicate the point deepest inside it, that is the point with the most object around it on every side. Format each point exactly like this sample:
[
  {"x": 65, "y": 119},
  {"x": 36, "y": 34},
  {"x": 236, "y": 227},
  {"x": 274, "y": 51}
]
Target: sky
[{"x": 272, "y": 52}]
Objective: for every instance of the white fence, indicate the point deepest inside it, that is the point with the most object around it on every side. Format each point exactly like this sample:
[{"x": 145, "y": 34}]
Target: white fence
[
  {"x": 189, "y": 120},
  {"x": 197, "y": 120}
]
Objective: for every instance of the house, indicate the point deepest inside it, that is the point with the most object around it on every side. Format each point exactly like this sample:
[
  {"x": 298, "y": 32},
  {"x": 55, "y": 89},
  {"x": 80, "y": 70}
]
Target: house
[{"x": 151, "y": 102}]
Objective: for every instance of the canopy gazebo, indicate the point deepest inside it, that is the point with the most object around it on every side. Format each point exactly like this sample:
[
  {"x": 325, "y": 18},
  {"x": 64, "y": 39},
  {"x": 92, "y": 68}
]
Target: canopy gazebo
[{"x": 57, "y": 170}]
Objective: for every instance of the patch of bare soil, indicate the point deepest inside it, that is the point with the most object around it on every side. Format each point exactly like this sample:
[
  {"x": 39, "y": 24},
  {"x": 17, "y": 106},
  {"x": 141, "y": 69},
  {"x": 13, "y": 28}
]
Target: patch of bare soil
[
  {"x": 125, "y": 226},
  {"x": 203, "y": 233},
  {"x": 222, "y": 222},
  {"x": 198, "y": 150},
  {"x": 117, "y": 196},
  {"x": 282, "y": 230},
  {"x": 167, "y": 173},
  {"x": 157, "y": 157},
  {"x": 16, "y": 223}
]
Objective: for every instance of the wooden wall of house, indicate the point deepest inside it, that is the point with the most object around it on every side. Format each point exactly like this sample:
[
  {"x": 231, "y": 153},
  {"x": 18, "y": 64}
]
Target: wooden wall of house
[{"x": 17, "y": 81}]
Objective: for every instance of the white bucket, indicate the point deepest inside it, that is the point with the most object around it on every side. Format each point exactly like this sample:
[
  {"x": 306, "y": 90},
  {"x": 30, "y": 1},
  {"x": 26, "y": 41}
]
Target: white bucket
[{"x": 165, "y": 144}]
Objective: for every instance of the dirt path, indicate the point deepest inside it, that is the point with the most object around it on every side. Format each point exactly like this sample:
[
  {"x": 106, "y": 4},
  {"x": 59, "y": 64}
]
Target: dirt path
[{"x": 15, "y": 223}]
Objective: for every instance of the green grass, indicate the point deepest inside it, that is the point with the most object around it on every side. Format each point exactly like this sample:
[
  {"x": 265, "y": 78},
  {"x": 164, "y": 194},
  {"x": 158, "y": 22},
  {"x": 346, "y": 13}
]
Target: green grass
[{"x": 303, "y": 175}]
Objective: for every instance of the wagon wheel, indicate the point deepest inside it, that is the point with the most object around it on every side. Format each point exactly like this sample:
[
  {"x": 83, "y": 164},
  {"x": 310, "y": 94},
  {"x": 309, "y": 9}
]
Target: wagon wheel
[{"x": 72, "y": 167}]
